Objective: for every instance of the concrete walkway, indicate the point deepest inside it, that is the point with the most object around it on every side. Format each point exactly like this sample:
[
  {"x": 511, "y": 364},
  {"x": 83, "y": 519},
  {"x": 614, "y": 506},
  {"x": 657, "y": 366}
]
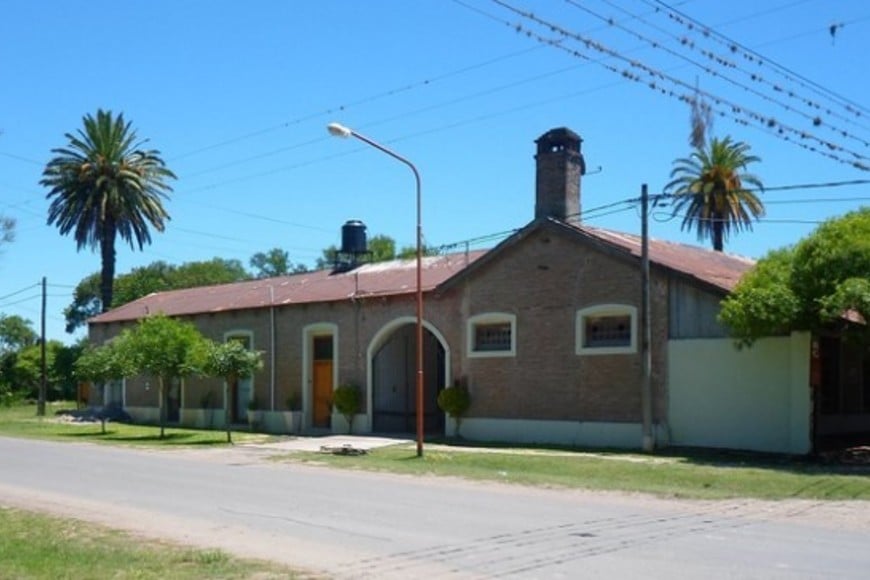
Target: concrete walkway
[{"x": 359, "y": 442}]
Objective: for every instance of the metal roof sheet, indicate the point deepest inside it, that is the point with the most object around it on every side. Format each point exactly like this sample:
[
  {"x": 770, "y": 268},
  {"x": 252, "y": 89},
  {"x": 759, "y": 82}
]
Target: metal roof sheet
[
  {"x": 716, "y": 268},
  {"x": 398, "y": 277},
  {"x": 379, "y": 279}
]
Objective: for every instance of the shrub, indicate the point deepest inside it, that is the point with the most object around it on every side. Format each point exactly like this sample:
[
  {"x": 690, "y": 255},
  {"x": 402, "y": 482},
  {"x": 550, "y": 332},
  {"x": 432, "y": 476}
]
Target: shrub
[
  {"x": 455, "y": 401},
  {"x": 346, "y": 399},
  {"x": 294, "y": 401}
]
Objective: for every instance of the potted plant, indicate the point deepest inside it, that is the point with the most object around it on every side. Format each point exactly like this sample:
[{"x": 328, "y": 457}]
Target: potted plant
[
  {"x": 455, "y": 401},
  {"x": 346, "y": 400}
]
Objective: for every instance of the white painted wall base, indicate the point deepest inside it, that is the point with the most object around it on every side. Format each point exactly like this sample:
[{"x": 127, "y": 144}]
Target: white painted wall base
[
  {"x": 569, "y": 433},
  {"x": 360, "y": 424},
  {"x": 282, "y": 422}
]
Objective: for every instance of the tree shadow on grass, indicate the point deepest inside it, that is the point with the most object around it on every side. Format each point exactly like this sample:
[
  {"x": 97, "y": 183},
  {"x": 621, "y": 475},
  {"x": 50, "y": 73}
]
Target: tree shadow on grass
[
  {"x": 170, "y": 438},
  {"x": 724, "y": 458}
]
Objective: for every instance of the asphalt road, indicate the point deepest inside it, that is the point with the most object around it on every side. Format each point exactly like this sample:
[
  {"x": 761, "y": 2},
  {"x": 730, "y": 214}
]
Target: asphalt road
[{"x": 367, "y": 525}]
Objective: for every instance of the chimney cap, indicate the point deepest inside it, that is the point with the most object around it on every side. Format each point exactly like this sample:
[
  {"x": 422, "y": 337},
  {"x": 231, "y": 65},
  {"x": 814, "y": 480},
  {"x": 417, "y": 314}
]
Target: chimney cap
[{"x": 559, "y": 134}]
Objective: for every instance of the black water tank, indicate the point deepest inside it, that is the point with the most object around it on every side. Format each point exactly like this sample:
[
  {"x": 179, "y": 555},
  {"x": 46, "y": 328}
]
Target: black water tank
[{"x": 353, "y": 237}]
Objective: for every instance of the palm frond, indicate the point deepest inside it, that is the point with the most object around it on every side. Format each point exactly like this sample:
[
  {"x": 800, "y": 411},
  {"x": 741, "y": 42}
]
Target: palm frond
[{"x": 712, "y": 191}]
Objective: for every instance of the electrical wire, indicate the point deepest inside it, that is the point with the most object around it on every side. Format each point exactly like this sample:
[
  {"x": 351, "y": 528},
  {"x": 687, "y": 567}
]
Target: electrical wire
[
  {"x": 713, "y": 59},
  {"x": 25, "y": 289},
  {"x": 752, "y": 56},
  {"x": 365, "y": 100},
  {"x": 737, "y": 111}
]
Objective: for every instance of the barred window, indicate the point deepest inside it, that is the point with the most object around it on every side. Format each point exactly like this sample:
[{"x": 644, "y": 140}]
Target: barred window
[
  {"x": 606, "y": 329},
  {"x": 492, "y": 334},
  {"x": 489, "y": 337}
]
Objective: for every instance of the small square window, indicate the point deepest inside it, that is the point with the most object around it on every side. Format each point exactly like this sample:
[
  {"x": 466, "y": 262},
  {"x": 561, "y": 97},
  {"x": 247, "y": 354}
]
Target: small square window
[
  {"x": 603, "y": 331},
  {"x": 606, "y": 329},
  {"x": 492, "y": 337},
  {"x": 493, "y": 334}
]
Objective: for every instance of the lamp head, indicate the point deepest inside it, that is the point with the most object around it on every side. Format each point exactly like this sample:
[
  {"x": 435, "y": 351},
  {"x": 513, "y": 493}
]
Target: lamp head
[{"x": 339, "y": 130}]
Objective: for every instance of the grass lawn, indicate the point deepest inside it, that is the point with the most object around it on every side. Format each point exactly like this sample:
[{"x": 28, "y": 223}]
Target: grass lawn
[
  {"x": 689, "y": 474},
  {"x": 39, "y": 546},
  {"x": 21, "y": 421},
  {"x": 694, "y": 474}
]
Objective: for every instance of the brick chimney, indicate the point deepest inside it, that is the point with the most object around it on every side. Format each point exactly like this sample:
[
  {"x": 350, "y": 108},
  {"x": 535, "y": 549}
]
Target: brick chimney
[{"x": 559, "y": 168}]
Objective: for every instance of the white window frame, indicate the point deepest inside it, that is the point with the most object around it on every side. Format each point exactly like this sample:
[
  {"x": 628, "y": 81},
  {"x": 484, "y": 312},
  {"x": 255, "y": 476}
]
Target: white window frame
[
  {"x": 599, "y": 311},
  {"x": 491, "y": 318}
]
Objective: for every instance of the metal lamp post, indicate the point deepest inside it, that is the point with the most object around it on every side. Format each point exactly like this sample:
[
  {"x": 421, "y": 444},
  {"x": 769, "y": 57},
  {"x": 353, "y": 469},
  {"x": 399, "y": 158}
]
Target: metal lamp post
[{"x": 338, "y": 130}]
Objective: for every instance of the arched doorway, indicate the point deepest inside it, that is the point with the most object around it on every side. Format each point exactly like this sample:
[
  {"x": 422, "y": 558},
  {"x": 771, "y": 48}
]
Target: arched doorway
[{"x": 393, "y": 379}]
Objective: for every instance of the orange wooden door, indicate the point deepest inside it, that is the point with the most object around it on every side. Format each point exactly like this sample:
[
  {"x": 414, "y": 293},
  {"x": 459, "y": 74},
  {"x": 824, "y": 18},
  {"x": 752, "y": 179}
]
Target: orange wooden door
[{"x": 322, "y": 392}]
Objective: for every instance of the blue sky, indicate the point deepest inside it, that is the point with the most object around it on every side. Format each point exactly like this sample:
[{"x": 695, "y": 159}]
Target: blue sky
[{"x": 237, "y": 96}]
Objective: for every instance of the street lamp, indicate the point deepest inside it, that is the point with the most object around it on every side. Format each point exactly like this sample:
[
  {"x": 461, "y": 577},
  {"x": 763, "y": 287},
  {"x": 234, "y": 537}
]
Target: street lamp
[{"x": 338, "y": 130}]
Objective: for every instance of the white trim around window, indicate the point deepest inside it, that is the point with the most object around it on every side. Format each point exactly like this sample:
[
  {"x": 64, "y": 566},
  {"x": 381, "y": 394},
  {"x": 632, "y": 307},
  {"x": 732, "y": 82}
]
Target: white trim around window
[
  {"x": 497, "y": 329},
  {"x": 614, "y": 327}
]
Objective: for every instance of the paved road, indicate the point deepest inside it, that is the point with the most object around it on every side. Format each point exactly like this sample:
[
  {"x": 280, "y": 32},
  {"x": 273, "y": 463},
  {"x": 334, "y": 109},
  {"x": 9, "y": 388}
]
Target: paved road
[{"x": 360, "y": 525}]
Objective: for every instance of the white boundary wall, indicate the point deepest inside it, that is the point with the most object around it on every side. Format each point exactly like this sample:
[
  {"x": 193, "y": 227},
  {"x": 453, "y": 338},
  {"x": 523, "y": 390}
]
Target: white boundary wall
[{"x": 756, "y": 398}]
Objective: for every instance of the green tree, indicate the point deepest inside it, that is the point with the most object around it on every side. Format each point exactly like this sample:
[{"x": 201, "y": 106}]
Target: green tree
[
  {"x": 64, "y": 368},
  {"x": 711, "y": 190},
  {"x": 409, "y": 252},
  {"x": 16, "y": 336},
  {"x": 825, "y": 277},
  {"x": 155, "y": 277},
  {"x": 104, "y": 363},
  {"x": 382, "y": 249},
  {"x": 85, "y": 304},
  {"x": 231, "y": 361},
  {"x": 103, "y": 185},
  {"x": 16, "y": 333},
  {"x": 206, "y": 273},
  {"x": 164, "y": 349},
  {"x": 347, "y": 401},
  {"x": 25, "y": 372},
  {"x": 455, "y": 401},
  {"x": 275, "y": 262}
]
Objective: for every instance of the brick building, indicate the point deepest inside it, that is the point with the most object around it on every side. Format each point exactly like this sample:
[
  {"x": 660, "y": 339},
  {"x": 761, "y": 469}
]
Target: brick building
[{"x": 544, "y": 329}]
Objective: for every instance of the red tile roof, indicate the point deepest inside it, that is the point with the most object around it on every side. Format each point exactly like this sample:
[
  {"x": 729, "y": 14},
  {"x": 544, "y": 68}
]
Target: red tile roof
[{"x": 381, "y": 279}]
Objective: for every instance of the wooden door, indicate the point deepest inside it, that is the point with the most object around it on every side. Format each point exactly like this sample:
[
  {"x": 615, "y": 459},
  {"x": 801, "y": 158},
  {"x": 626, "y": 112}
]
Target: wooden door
[
  {"x": 322, "y": 392},
  {"x": 322, "y": 373}
]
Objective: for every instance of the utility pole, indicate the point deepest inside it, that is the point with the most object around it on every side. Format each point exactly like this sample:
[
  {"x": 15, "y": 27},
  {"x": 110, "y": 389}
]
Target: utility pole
[
  {"x": 646, "y": 340},
  {"x": 40, "y": 408}
]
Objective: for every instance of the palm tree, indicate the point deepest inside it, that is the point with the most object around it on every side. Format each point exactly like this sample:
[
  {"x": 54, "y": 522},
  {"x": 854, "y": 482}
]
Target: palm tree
[
  {"x": 105, "y": 185},
  {"x": 710, "y": 190}
]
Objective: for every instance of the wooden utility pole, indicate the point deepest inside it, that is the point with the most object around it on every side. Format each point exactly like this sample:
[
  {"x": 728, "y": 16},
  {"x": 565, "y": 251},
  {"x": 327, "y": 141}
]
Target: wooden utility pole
[
  {"x": 40, "y": 408},
  {"x": 646, "y": 340}
]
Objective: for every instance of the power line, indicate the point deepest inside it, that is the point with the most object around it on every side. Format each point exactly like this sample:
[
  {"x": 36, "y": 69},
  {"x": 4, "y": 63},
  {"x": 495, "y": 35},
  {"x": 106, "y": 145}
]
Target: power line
[
  {"x": 428, "y": 108},
  {"x": 739, "y": 113},
  {"x": 25, "y": 289},
  {"x": 28, "y": 299},
  {"x": 365, "y": 100},
  {"x": 713, "y": 59},
  {"x": 753, "y": 56},
  {"x": 817, "y": 200},
  {"x": 672, "y": 216}
]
